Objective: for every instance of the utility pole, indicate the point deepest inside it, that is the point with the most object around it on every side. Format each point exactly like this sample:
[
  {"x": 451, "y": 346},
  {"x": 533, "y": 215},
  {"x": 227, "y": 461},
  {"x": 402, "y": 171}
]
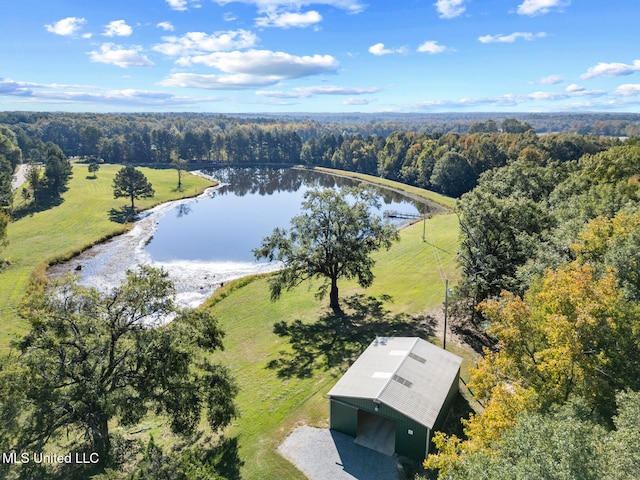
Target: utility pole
[{"x": 446, "y": 308}]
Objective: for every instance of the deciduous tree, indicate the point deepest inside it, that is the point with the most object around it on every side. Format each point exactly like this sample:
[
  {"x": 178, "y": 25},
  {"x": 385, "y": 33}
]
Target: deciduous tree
[
  {"x": 180, "y": 164},
  {"x": 93, "y": 167},
  {"x": 57, "y": 170},
  {"x": 91, "y": 359},
  {"x": 332, "y": 239}
]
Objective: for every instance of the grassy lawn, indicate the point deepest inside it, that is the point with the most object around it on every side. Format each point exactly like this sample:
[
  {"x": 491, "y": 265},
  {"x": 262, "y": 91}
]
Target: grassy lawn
[
  {"x": 81, "y": 220},
  {"x": 412, "y": 272},
  {"x": 438, "y": 198}
]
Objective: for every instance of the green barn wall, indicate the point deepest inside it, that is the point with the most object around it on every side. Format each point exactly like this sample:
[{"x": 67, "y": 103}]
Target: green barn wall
[
  {"x": 451, "y": 396},
  {"x": 343, "y": 417}
]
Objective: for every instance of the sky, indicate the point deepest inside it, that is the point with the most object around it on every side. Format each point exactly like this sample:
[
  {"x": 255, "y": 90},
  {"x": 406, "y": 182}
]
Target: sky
[{"x": 282, "y": 56}]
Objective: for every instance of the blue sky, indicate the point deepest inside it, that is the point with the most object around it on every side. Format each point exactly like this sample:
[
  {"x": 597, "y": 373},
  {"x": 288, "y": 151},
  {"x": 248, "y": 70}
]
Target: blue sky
[{"x": 320, "y": 56}]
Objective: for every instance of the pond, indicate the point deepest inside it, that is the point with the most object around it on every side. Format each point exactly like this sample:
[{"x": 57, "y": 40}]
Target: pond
[{"x": 206, "y": 241}]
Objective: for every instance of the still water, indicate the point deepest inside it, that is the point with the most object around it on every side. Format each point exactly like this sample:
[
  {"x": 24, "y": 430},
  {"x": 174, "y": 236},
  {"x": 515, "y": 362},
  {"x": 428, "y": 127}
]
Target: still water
[
  {"x": 207, "y": 241},
  {"x": 226, "y": 226}
]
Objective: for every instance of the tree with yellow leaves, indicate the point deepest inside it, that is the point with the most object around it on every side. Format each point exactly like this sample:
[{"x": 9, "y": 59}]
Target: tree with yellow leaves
[{"x": 562, "y": 340}]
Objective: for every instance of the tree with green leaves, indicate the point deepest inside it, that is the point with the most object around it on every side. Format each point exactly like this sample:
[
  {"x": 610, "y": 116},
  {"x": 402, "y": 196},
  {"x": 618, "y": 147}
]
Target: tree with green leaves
[
  {"x": 93, "y": 168},
  {"x": 561, "y": 444},
  {"x": 131, "y": 183},
  {"x": 90, "y": 137},
  {"x": 452, "y": 174},
  {"x": 4, "y": 225},
  {"x": 57, "y": 170},
  {"x": 180, "y": 164},
  {"x": 91, "y": 360},
  {"x": 333, "y": 239},
  {"x": 10, "y": 157},
  {"x": 35, "y": 182}
]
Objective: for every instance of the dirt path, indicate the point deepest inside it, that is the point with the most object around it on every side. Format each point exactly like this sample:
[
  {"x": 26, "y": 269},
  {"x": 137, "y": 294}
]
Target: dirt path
[{"x": 437, "y": 324}]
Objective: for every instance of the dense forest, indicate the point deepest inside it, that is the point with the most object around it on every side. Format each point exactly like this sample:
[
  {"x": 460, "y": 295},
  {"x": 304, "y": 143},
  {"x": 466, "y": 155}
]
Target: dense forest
[
  {"x": 550, "y": 264},
  {"x": 415, "y": 153}
]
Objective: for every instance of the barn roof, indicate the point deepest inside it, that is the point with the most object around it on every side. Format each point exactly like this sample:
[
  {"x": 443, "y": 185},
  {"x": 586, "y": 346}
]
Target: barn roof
[{"x": 408, "y": 374}]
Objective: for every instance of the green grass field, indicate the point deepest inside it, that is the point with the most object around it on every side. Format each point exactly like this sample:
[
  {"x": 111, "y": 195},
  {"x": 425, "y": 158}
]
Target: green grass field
[
  {"x": 435, "y": 197},
  {"x": 81, "y": 220},
  {"x": 412, "y": 272}
]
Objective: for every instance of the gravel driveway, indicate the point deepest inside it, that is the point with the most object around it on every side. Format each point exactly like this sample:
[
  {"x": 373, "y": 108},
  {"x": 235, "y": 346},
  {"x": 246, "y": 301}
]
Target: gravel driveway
[
  {"x": 19, "y": 177},
  {"x": 323, "y": 454}
]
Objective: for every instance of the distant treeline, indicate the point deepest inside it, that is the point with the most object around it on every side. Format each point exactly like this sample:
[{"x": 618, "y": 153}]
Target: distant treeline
[{"x": 448, "y": 162}]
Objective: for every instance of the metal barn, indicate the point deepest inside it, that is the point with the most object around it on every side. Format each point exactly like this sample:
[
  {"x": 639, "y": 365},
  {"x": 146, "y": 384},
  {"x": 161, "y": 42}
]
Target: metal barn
[{"x": 395, "y": 394}]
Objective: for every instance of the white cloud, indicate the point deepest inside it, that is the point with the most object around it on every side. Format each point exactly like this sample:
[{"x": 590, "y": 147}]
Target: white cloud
[
  {"x": 571, "y": 92},
  {"x": 628, "y": 90},
  {"x": 379, "y": 49},
  {"x": 197, "y": 43},
  {"x": 352, "y": 6},
  {"x": 508, "y": 100},
  {"x": 289, "y": 19},
  {"x": 67, "y": 26},
  {"x": 358, "y": 101},
  {"x": 512, "y": 37},
  {"x": 575, "y": 88},
  {"x": 572, "y": 97},
  {"x": 219, "y": 82},
  {"x": 549, "y": 80},
  {"x": 431, "y": 46},
  {"x": 112, "y": 54},
  {"x": 182, "y": 5},
  {"x": 118, "y": 28},
  {"x": 537, "y": 7},
  {"x": 304, "y": 92},
  {"x": 450, "y": 8},
  {"x": 268, "y": 63},
  {"x": 166, "y": 26},
  {"x": 611, "y": 70},
  {"x": 85, "y": 94}
]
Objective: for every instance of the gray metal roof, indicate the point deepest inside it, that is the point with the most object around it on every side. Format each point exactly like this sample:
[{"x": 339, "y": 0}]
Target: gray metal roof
[{"x": 407, "y": 374}]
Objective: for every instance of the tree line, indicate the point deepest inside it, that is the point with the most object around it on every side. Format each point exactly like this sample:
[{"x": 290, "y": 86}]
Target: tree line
[
  {"x": 450, "y": 163},
  {"x": 550, "y": 263}
]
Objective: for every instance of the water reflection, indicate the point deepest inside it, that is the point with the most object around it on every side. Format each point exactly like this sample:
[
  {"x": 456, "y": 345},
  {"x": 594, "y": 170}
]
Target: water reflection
[
  {"x": 268, "y": 181},
  {"x": 207, "y": 241},
  {"x": 253, "y": 201}
]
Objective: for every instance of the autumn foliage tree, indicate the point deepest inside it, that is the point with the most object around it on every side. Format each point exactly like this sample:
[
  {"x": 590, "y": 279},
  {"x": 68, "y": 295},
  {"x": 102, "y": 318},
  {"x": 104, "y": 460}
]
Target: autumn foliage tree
[{"x": 571, "y": 336}]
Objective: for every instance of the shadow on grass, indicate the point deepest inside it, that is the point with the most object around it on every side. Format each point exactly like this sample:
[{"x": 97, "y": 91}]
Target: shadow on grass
[
  {"x": 44, "y": 203},
  {"x": 225, "y": 458},
  {"x": 122, "y": 214},
  {"x": 460, "y": 408},
  {"x": 336, "y": 340},
  {"x": 475, "y": 339}
]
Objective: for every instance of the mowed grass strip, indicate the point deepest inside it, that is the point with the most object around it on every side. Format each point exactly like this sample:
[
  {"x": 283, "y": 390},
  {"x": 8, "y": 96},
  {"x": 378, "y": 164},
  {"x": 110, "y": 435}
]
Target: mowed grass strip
[
  {"x": 435, "y": 197},
  {"x": 81, "y": 220},
  {"x": 413, "y": 272}
]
